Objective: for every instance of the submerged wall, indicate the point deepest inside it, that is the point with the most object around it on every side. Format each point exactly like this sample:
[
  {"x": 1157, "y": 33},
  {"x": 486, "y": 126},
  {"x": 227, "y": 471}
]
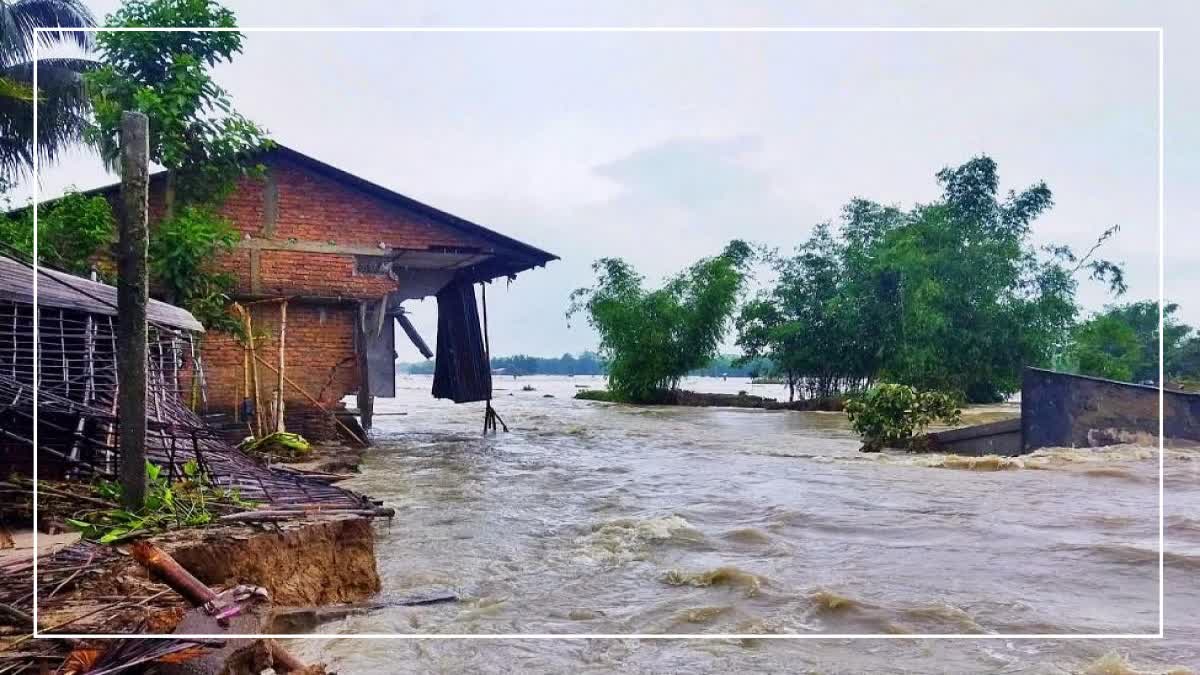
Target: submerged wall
[
  {"x": 1063, "y": 410},
  {"x": 994, "y": 438}
]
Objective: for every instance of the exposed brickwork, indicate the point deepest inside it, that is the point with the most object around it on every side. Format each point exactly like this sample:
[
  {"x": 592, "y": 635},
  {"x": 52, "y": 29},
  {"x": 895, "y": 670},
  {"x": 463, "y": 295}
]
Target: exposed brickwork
[
  {"x": 319, "y": 356},
  {"x": 325, "y": 274},
  {"x": 313, "y": 207}
]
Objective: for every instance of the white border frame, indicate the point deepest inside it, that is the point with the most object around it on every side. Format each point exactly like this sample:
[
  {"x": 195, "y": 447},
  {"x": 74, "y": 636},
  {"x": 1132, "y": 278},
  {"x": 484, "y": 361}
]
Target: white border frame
[{"x": 641, "y": 636}]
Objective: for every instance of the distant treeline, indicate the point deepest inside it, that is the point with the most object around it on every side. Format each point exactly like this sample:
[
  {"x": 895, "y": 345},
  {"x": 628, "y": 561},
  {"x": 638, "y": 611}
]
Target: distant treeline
[
  {"x": 584, "y": 363},
  {"x": 590, "y": 363}
]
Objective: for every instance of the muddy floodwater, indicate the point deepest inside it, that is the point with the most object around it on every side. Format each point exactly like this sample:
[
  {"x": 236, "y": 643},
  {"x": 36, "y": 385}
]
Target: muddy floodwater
[{"x": 598, "y": 518}]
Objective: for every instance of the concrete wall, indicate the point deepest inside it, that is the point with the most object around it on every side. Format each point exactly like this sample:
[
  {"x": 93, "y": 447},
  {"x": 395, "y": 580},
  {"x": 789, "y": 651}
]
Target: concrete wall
[
  {"x": 995, "y": 438},
  {"x": 1062, "y": 410}
]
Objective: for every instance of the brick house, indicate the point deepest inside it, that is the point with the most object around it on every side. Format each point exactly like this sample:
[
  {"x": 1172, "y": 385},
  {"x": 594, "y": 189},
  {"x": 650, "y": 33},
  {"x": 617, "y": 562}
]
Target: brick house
[{"x": 345, "y": 253}]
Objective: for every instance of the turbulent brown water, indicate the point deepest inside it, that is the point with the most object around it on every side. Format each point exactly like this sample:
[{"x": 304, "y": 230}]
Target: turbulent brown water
[{"x": 596, "y": 518}]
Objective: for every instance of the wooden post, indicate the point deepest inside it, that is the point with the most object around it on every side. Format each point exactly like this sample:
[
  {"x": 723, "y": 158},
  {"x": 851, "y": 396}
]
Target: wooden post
[
  {"x": 258, "y": 410},
  {"x": 132, "y": 297},
  {"x": 365, "y": 400},
  {"x": 313, "y": 400},
  {"x": 279, "y": 381}
]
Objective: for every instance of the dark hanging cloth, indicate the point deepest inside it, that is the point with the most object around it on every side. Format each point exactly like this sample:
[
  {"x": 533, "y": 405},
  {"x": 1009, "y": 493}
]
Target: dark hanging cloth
[{"x": 462, "y": 372}]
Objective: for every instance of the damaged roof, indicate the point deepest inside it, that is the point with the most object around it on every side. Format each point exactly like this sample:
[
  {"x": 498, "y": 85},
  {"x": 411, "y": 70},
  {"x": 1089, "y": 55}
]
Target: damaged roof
[{"x": 66, "y": 291}]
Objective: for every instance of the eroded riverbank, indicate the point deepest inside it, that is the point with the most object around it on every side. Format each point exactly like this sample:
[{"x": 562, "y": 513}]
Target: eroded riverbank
[{"x": 595, "y": 518}]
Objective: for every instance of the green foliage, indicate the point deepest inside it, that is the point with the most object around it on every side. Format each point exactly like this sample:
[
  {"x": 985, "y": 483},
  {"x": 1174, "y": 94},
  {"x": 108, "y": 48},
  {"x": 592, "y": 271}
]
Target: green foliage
[
  {"x": 62, "y": 101},
  {"x": 1183, "y": 366},
  {"x": 71, "y": 231},
  {"x": 1105, "y": 346},
  {"x": 890, "y": 415},
  {"x": 194, "y": 130},
  {"x": 948, "y": 296},
  {"x": 652, "y": 338},
  {"x": 1122, "y": 342},
  {"x": 181, "y": 251},
  {"x": 188, "y": 502}
]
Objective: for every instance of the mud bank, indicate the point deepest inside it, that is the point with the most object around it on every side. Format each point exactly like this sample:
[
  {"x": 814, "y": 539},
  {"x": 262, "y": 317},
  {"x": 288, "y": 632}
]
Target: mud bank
[
  {"x": 314, "y": 562},
  {"x": 308, "y": 563},
  {"x": 87, "y": 588},
  {"x": 695, "y": 399}
]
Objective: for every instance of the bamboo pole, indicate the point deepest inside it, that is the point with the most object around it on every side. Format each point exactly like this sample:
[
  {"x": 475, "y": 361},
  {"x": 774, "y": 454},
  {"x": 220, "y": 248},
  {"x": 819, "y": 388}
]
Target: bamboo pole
[
  {"x": 258, "y": 428},
  {"x": 170, "y": 572},
  {"x": 245, "y": 386},
  {"x": 315, "y": 402},
  {"x": 279, "y": 425}
]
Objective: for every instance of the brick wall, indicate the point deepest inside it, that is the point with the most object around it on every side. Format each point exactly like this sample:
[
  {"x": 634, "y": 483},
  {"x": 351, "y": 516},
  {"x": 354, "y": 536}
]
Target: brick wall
[
  {"x": 318, "y": 208},
  {"x": 319, "y": 357},
  {"x": 303, "y": 273},
  {"x": 295, "y": 204}
]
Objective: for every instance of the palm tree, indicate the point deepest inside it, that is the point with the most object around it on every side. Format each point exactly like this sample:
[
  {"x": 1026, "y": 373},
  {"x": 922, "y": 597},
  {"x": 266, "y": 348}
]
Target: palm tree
[{"x": 63, "y": 102}]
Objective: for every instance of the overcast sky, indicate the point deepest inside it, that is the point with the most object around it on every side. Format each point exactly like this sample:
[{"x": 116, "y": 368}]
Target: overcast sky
[{"x": 659, "y": 148}]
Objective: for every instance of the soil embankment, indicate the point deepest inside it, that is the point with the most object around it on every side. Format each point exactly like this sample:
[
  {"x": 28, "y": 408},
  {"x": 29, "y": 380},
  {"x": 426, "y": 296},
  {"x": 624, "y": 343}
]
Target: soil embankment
[
  {"x": 326, "y": 560},
  {"x": 682, "y": 397}
]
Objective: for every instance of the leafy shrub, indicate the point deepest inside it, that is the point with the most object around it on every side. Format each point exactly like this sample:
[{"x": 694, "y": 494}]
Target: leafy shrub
[
  {"x": 892, "y": 414},
  {"x": 188, "y": 502},
  {"x": 181, "y": 251}
]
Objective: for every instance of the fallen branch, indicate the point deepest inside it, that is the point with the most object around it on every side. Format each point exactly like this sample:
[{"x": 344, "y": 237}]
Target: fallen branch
[
  {"x": 170, "y": 572},
  {"x": 197, "y": 593}
]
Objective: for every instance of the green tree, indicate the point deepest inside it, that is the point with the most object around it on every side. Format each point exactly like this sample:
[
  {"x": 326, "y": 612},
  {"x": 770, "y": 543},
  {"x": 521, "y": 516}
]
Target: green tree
[
  {"x": 1184, "y": 365},
  {"x": 62, "y": 100},
  {"x": 1142, "y": 318},
  {"x": 949, "y": 296},
  {"x": 194, "y": 132},
  {"x": 1106, "y": 346},
  {"x": 652, "y": 338},
  {"x": 978, "y": 300},
  {"x": 1131, "y": 331},
  {"x": 830, "y": 316}
]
